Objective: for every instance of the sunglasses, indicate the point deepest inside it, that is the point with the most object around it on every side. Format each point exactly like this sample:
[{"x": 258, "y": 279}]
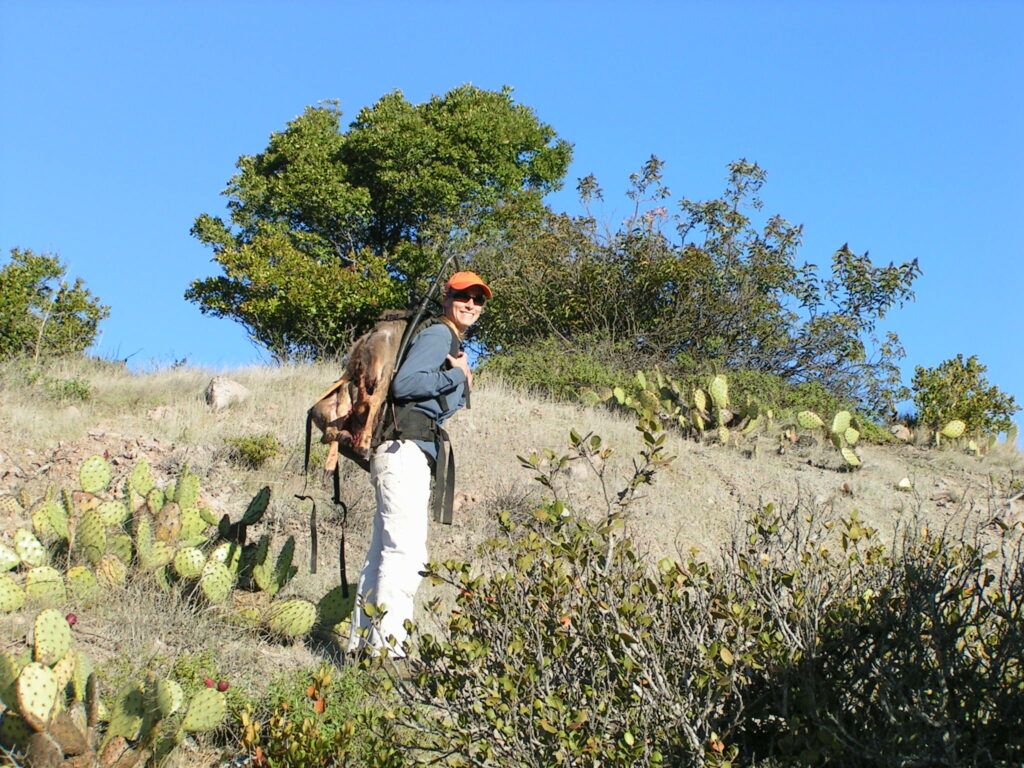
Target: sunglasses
[{"x": 476, "y": 298}]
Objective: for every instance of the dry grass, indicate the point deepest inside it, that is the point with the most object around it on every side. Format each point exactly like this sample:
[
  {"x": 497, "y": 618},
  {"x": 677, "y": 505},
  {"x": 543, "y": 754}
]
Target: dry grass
[{"x": 694, "y": 502}]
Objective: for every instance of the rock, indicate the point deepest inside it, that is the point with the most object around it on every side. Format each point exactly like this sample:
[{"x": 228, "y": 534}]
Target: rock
[
  {"x": 71, "y": 412},
  {"x": 905, "y": 485},
  {"x": 222, "y": 392},
  {"x": 901, "y": 432}
]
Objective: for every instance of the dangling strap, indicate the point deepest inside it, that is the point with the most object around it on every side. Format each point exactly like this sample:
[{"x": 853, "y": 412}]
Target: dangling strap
[{"x": 444, "y": 479}]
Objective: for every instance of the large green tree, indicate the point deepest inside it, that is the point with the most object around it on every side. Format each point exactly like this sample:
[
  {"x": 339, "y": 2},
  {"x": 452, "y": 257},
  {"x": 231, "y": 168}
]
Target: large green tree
[
  {"x": 41, "y": 313},
  {"x": 698, "y": 285},
  {"x": 328, "y": 226}
]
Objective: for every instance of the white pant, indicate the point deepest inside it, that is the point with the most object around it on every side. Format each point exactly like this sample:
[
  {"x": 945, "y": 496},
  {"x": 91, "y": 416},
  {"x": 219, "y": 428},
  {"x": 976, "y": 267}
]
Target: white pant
[{"x": 400, "y": 474}]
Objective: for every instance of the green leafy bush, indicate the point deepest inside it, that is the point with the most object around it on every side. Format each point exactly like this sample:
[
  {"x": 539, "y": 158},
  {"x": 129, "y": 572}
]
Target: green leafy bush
[
  {"x": 958, "y": 389},
  {"x": 804, "y": 641},
  {"x": 69, "y": 389},
  {"x": 253, "y": 451},
  {"x": 550, "y": 368},
  {"x": 41, "y": 314}
]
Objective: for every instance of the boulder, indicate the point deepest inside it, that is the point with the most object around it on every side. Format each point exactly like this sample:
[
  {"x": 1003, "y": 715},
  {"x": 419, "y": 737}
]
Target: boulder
[
  {"x": 901, "y": 432},
  {"x": 222, "y": 392}
]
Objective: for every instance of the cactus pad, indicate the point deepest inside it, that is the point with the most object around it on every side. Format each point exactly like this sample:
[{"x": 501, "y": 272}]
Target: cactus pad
[
  {"x": 94, "y": 474},
  {"x": 841, "y": 422},
  {"x": 36, "y": 690},
  {"x": 111, "y": 572},
  {"x": 229, "y": 554},
  {"x": 29, "y": 548},
  {"x": 120, "y": 545},
  {"x": 851, "y": 436},
  {"x": 189, "y": 562},
  {"x": 12, "y": 596},
  {"x": 91, "y": 537},
  {"x": 720, "y": 391},
  {"x": 167, "y": 523},
  {"x": 205, "y": 712},
  {"x": 51, "y": 636},
  {"x": 157, "y": 556},
  {"x": 851, "y": 458},
  {"x": 192, "y": 527},
  {"x": 14, "y": 731},
  {"x": 290, "y": 618},
  {"x": 258, "y": 505},
  {"x": 155, "y": 500},
  {"x": 809, "y": 420},
  {"x": 127, "y": 713},
  {"x": 9, "y": 506},
  {"x": 209, "y": 516},
  {"x": 169, "y": 697},
  {"x": 44, "y": 587},
  {"x": 187, "y": 489},
  {"x": 112, "y": 512},
  {"x": 9, "y": 670},
  {"x": 216, "y": 581},
  {"x": 141, "y": 479},
  {"x": 954, "y": 429},
  {"x": 50, "y": 521},
  {"x": 8, "y": 558},
  {"x": 333, "y": 608},
  {"x": 64, "y": 671}
]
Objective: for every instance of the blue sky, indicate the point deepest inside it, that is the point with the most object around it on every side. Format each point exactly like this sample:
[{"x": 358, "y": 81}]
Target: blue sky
[{"x": 895, "y": 127}]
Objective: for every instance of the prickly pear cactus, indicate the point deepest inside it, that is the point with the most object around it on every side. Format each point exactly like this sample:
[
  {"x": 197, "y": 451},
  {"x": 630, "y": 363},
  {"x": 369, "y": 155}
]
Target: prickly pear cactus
[
  {"x": 44, "y": 587},
  {"x": 91, "y": 537},
  {"x": 216, "y": 581},
  {"x": 12, "y": 596},
  {"x": 334, "y": 608},
  {"x": 9, "y": 559},
  {"x": 954, "y": 429},
  {"x": 94, "y": 474},
  {"x": 112, "y": 512},
  {"x": 50, "y": 521},
  {"x": 111, "y": 572},
  {"x": 809, "y": 420},
  {"x": 30, "y": 550},
  {"x": 206, "y": 711},
  {"x": 719, "y": 389},
  {"x": 51, "y": 637},
  {"x": 189, "y": 562},
  {"x": 169, "y": 697},
  {"x": 290, "y": 618},
  {"x": 36, "y": 691}
]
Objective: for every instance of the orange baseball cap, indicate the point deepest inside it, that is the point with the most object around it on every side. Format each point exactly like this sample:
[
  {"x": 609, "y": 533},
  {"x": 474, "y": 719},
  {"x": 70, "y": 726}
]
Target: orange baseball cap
[{"x": 460, "y": 281}]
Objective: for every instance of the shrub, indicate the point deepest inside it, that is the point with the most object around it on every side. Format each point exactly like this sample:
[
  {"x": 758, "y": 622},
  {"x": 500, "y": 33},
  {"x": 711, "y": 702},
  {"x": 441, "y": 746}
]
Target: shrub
[
  {"x": 549, "y": 367},
  {"x": 806, "y": 641},
  {"x": 41, "y": 314},
  {"x": 68, "y": 389},
  {"x": 253, "y": 451},
  {"x": 958, "y": 389}
]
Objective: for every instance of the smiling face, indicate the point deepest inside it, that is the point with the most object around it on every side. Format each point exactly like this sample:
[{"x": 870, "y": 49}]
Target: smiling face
[{"x": 463, "y": 307}]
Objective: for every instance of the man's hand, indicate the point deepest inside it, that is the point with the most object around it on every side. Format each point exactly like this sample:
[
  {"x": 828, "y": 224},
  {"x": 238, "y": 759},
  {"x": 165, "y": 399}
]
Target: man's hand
[{"x": 462, "y": 363}]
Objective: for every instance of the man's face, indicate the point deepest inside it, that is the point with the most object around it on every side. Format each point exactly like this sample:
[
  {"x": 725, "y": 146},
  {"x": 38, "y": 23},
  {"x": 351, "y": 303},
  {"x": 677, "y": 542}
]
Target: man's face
[{"x": 463, "y": 307}]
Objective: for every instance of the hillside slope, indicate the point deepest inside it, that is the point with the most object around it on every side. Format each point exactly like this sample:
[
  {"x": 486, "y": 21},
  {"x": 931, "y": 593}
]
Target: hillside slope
[{"x": 694, "y": 502}]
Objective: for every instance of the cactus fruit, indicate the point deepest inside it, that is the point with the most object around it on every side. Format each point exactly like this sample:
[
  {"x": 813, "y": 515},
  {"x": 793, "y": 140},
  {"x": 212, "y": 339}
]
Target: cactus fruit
[
  {"x": 954, "y": 429},
  {"x": 51, "y": 637},
  {"x": 30, "y": 550},
  {"x": 169, "y": 697},
  {"x": 111, "y": 572},
  {"x": 91, "y": 537},
  {"x": 9, "y": 559},
  {"x": 216, "y": 581},
  {"x": 206, "y": 711},
  {"x": 290, "y": 618},
  {"x": 94, "y": 474},
  {"x": 112, "y": 512},
  {"x": 44, "y": 587},
  {"x": 12, "y": 596},
  {"x": 809, "y": 420},
  {"x": 189, "y": 562},
  {"x": 36, "y": 691}
]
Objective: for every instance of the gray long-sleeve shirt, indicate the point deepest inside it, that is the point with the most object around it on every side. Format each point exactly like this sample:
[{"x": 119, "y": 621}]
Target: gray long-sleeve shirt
[{"x": 421, "y": 379}]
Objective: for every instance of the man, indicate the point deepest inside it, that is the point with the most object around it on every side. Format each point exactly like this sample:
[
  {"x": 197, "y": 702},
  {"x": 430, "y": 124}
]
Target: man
[{"x": 430, "y": 385}]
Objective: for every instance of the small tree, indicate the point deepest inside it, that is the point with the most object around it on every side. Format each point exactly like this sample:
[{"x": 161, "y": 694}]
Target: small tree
[
  {"x": 41, "y": 313},
  {"x": 958, "y": 389}
]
